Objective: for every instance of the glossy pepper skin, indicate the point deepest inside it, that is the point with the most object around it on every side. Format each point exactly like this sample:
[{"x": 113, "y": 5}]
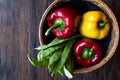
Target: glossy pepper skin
[
  {"x": 94, "y": 25},
  {"x": 63, "y": 22},
  {"x": 87, "y": 52}
]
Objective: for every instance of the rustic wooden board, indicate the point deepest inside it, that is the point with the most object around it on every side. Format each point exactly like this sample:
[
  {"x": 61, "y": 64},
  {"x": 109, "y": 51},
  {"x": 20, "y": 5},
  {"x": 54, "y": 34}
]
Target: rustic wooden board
[{"x": 19, "y": 23}]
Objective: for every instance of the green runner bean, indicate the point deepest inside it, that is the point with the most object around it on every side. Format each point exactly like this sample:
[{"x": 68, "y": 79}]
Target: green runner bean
[
  {"x": 38, "y": 55},
  {"x": 54, "y": 41},
  {"x": 53, "y": 59},
  {"x": 67, "y": 73},
  {"x": 49, "y": 51},
  {"x": 58, "y": 41},
  {"x": 64, "y": 56},
  {"x": 69, "y": 65},
  {"x": 35, "y": 62}
]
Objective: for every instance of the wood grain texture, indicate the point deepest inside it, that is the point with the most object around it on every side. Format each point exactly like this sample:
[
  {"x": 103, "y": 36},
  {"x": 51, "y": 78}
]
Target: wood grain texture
[{"x": 19, "y": 24}]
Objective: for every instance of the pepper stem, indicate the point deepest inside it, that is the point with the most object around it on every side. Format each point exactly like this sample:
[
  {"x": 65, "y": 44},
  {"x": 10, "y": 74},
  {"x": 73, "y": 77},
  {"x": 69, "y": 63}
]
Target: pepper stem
[
  {"x": 51, "y": 28},
  {"x": 101, "y": 23},
  {"x": 87, "y": 53},
  {"x": 58, "y": 23}
]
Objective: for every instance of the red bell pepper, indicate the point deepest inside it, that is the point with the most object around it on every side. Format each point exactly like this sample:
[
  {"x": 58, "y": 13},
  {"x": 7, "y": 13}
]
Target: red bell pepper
[
  {"x": 63, "y": 22},
  {"x": 87, "y": 52}
]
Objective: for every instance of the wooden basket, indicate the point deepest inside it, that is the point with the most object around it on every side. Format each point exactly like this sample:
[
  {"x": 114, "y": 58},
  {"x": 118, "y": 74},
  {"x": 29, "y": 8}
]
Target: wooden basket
[{"x": 111, "y": 41}]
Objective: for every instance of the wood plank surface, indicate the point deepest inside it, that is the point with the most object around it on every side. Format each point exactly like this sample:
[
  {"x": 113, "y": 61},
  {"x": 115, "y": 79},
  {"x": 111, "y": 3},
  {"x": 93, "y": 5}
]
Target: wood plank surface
[{"x": 19, "y": 24}]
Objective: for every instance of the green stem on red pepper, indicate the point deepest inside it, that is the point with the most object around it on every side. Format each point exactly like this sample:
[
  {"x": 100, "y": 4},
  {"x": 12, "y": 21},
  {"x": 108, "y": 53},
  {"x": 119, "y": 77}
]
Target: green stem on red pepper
[
  {"x": 87, "y": 53},
  {"x": 59, "y": 24}
]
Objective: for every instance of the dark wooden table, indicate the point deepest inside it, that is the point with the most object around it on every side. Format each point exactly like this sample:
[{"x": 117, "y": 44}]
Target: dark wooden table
[{"x": 19, "y": 23}]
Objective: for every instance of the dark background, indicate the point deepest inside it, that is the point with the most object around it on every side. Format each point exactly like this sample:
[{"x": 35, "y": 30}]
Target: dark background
[{"x": 19, "y": 24}]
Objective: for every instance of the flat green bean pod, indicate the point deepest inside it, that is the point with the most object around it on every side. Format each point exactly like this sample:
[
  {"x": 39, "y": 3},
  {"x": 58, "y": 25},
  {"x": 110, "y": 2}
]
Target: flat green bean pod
[
  {"x": 36, "y": 63},
  {"x": 57, "y": 41},
  {"x": 64, "y": 56},
  {"x": 49, "y": 51},
  {"x": 38, "y": 55},
  {"x": 47, "y": 45},
  {"x": 69, "y": 65},
  {"x": 54, "y": 58}
]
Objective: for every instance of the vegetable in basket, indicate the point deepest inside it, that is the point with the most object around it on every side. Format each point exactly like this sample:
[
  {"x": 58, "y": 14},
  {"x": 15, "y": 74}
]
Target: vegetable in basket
[
  {"x": 63, "y": 22},
  {"x": 94, "y": 25},
  {"x": 87, "y": 52}
]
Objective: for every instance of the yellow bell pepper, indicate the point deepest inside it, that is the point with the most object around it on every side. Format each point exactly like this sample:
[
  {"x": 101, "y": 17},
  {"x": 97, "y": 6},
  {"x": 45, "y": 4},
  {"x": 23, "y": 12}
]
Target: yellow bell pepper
[{"x": 94, "y": 25}]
